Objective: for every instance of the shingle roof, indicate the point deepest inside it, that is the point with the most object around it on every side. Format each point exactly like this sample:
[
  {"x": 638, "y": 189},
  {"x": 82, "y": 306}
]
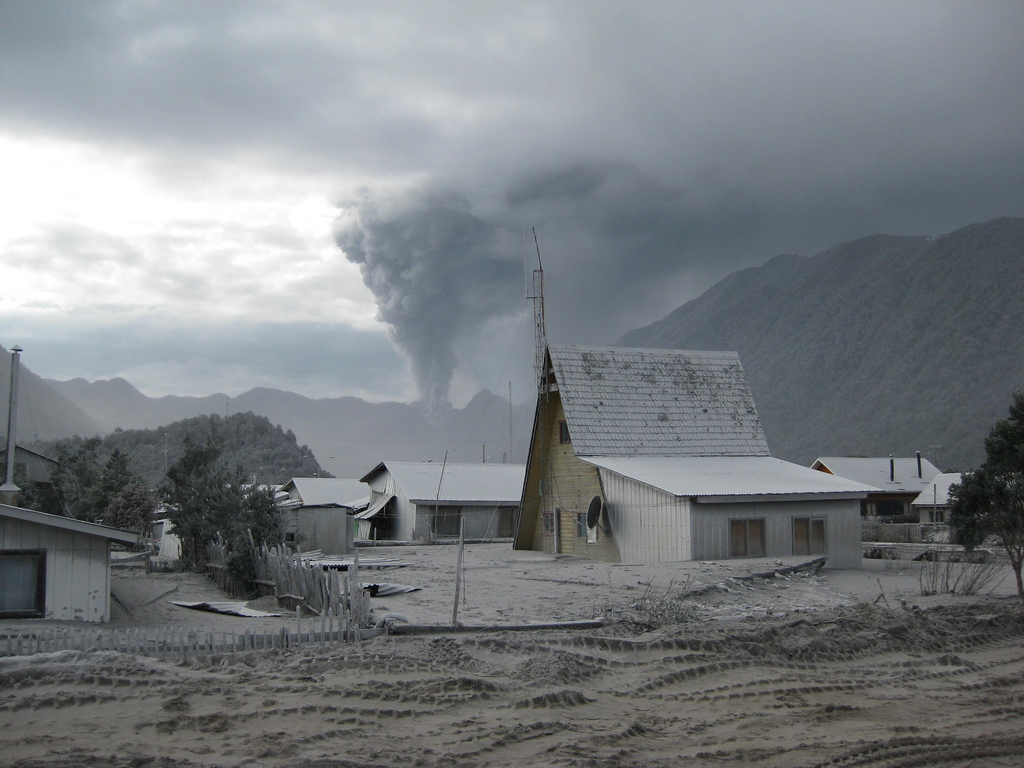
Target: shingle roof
[
  {"x": 728, "y": 476},
  {"x": 656, "y": 402},
  {"x": 461, "y": 483}
]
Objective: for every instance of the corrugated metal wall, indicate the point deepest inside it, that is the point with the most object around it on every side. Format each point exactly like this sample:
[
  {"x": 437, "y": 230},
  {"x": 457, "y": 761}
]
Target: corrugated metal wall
[
  {"x": 77, "y": 568},
  {"x": 650, "y": 526},
  {"x": 710, "y": 526},
  {"x": 404, "y": 510}
]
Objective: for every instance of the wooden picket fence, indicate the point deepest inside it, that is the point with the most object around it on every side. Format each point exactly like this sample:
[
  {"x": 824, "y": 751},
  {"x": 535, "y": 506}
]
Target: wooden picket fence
[
  {"x": 330, "y": 607},
  {"x": 297, "y": 582}
]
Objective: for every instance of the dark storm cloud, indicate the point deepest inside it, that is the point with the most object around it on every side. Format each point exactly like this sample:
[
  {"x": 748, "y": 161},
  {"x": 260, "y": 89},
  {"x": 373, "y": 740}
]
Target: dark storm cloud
[{"x": 656, "y": 147}]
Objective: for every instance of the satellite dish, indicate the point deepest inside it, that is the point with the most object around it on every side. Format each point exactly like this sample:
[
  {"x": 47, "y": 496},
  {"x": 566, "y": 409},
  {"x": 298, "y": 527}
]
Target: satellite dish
[{"x": 594, "y": 512}]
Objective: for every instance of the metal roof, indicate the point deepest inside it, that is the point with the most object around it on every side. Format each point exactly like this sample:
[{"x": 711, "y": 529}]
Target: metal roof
[
  {"x": 656, "y": 402},
  {"x": 937, "y": 491},
  {"x": 727, "y": 476},
  {"x": 328, "y": 491},
  {"x": 69, "y": 524},
  {"x": 462, "y": 483},
  {"x": 876, "y": 471}
]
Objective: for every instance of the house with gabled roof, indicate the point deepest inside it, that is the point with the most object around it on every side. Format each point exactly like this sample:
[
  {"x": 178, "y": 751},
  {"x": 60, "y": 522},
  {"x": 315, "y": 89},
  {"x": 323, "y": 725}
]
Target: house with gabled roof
[
  {"x": 426, "y": 501},
  {"x": 645, "y": 455},
  {"x": 934, "y": 502},
  {"x": 897, "y": 480},
  {"x": 54, "y": 567}
]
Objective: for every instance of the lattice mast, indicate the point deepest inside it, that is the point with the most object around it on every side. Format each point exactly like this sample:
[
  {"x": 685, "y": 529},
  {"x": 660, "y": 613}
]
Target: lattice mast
[{"x": 540, "y": 339}]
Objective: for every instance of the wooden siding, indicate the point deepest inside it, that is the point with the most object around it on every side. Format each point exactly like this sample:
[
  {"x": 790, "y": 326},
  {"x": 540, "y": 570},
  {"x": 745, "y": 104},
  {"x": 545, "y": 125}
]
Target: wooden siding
[
  {"x": 567, "y": 485},
  {"x": 77, "y": 568},
  {"x": 650, "y": 525},
  {"x": 710, "y": 528}
]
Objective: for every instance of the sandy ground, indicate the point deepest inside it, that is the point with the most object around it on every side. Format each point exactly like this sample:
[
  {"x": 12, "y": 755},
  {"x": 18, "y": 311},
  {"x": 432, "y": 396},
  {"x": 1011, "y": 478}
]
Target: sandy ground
[{"x": 698, "y": 664}]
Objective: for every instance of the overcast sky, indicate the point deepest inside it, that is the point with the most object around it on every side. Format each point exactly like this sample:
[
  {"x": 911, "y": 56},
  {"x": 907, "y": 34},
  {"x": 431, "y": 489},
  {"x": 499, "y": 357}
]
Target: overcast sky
[{"x": 337, "y": 198}]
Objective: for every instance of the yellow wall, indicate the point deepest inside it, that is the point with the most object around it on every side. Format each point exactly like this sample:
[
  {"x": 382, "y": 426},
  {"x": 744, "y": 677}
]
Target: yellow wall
[{"x": 567, "y": 485}]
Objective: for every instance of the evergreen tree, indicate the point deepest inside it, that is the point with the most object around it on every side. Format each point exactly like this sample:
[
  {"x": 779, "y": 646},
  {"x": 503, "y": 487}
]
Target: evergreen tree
[
  {"x": 990, "y": 501},
  {"x": 131, "y": 509},
  {"x": 200, "y": 497}
]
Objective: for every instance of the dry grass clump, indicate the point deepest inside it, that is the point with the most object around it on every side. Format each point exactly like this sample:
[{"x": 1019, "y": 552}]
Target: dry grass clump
[
  {"x": 657, "y": 608},
  {"x": 959, "y": 576}
]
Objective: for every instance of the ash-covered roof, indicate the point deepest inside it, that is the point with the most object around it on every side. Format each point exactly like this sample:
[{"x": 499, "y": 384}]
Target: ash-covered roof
[
  {"x": 936, "y": 493},
  {"x": 422, "y": 481},
  {"x": 729, "y": 476},
  {"x": 656, "y": 402},
  {"x": 908, "y": 475},
  {"x": 327, "y": 491}
]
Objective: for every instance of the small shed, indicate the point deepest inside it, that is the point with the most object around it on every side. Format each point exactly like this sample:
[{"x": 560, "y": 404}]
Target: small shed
[
  {"x": 897, "y": 481},
  {"x": 430, "y": 500},
  {"x": 933, "y": 503},
  {"x": 54, "y": 567},
  {"x": 318, "y": 512}
]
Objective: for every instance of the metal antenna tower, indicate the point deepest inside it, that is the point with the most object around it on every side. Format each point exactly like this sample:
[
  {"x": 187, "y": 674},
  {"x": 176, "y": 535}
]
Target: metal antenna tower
[{"x": 540, "y": 338}]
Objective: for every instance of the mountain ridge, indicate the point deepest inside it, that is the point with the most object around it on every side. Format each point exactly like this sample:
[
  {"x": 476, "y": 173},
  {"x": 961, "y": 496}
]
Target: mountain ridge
[
  {"x": 885, "y": 344},
  {"x": 348, "y": 435}
]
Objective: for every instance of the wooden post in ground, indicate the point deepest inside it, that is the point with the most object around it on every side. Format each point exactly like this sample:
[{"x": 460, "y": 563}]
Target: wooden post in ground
[{"x": 458, "y": 571}]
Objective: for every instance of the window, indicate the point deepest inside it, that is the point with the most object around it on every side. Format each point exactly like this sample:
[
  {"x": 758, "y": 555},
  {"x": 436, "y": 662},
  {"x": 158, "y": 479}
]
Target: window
[
  {"x": 447, "y": 521},
  {"x": 746, "y": 538},
  {"x": 549, "y": 522},
  {"x": 563, "y": 432},
  {"x": 808, "y": 536},
  {"x": 581, "y": 525},
  {"x": 23, "y": 574}
]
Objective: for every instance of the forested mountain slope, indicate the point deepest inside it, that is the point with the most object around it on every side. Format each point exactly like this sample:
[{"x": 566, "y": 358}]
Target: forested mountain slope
[
  {"x": 249, "y": 443},
  {"x": 883, "y": 345}
]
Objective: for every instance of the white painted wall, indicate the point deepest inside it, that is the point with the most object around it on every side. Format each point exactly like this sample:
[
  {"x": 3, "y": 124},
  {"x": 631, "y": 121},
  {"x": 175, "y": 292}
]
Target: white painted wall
[
  {"x": 649, "y": 525},
  {"x": 77, "y": 568},
  {"x": 710, "y": 526}
]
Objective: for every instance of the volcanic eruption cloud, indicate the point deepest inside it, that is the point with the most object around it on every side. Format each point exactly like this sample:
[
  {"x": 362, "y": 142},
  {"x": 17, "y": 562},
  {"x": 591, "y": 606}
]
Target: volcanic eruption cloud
[{"x": 438, "y": 273}]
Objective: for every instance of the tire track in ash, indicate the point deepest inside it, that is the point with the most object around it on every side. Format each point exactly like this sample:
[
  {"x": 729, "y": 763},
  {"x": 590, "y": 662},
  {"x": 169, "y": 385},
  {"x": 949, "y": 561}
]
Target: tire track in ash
[{"x": 862, "y": 686}]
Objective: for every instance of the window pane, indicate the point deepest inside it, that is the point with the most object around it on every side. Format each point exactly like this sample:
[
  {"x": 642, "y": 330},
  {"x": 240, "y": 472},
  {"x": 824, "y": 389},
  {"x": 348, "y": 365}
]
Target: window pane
[{"x": 20, "y": 576}]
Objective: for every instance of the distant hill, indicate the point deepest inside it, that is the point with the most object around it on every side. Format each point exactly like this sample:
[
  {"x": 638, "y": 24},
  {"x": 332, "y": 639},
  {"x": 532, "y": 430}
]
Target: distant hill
[
  {"x": 883, "y": 345},
  {"x": 43, "y": 413},
  {"x": 250, "y": 442},
  {"x": 349, "y": 436}
]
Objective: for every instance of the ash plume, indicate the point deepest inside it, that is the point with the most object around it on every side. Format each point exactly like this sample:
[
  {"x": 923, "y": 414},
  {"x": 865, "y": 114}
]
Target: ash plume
[{"x": 438, "y": 272}]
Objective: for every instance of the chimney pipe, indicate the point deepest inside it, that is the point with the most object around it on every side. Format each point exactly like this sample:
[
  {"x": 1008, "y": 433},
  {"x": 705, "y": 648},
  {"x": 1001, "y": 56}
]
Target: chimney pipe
[
  {"x": 892, "y": 468},
  {"x": 919, "y": 475},
  {"x": 9, "y": 491}
]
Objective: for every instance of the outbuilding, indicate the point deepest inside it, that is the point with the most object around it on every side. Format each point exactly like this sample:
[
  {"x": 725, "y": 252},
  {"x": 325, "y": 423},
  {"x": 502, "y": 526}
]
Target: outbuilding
[
  {"x": 318, "y": 512},
  {"x": 933, "y": 503},
  {"x": 431, "y": 500},
  {"x": 54, "y": 567},
  {"x": 642, "y": 455}
]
